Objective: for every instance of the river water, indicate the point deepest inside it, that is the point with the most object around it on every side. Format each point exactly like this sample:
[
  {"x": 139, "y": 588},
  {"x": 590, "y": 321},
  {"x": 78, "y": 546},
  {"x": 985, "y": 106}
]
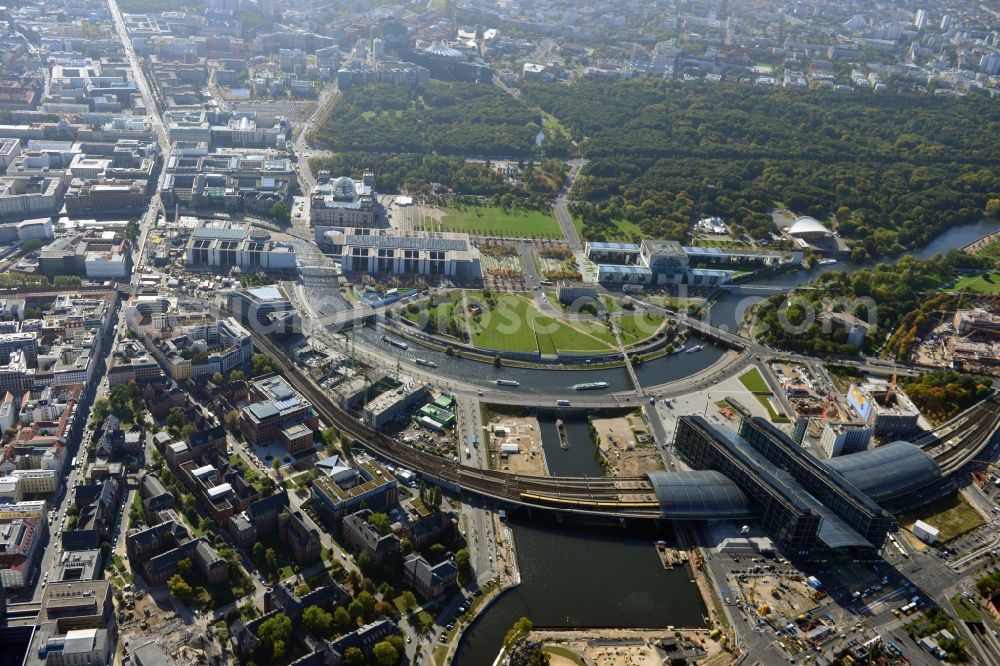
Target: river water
[
  {"x": 546, "y": 381},
  {"x": 579, "y": 576},
  {"x": 580, "y": 459},
  {"x": 585, "y": 577},
  {"x": 729, "y": 309}
]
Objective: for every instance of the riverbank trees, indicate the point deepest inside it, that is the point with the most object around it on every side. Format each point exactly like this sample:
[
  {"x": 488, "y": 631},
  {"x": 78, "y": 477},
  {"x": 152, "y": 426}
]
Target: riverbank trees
[
  {"x": 900, "y": 300},
  {"x": 886, "y": 172}
]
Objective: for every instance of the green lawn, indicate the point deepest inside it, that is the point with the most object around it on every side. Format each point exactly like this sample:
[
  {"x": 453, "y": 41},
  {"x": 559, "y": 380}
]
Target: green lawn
[
  {"x": 490, "y": 221},
  {"x": 283, "y": 555},
  {"x": 634, "y": 328},
  {"x": 952, "y": 515},
  {"x": 445, "y": 317},
  {"x": 568, "y": 338},
  {"x": 754, "y": 382},
  {"x": 551, "y": 126},
  {"x": 772, "y": 414},
  {"x": 622, "y": 231},
  {"x": 515, "y": 324},
  {"x": 966, "y": 611},
  {"x": 991, "y": 251},
  {"x": 505, "y": 328},
  {"x": 423, "y": 622},
  {"x": 987, "y": 283},
  {"x": 546, "y": 345}
]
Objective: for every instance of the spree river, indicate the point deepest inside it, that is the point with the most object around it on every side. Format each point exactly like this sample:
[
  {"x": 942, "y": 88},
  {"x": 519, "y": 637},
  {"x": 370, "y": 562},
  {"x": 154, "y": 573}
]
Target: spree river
[
  {"x": 580, "y": 576},
  {"x": 584, "y": 577},
  {"x": 587, "y": 576},
  {"x": 728, "y": 310},
  {"x": 546, "y": 381}
]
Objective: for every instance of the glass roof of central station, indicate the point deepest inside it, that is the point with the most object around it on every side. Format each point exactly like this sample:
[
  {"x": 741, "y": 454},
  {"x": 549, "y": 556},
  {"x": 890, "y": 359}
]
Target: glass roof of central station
[
  {"x": 888, "y": 471},
  {"x": 698, "y": 494}
]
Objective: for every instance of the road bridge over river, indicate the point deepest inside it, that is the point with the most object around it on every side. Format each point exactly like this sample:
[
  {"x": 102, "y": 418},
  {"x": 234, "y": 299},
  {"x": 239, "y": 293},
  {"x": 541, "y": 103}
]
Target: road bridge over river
[{"x": 622, "y": 497}]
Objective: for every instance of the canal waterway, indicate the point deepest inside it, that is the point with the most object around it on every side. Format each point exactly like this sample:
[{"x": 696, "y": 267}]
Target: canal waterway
[
  {"x": 578, "y": 576},
  {"x": 585, "y": 577},
  {"x": 580, "y": 459}
]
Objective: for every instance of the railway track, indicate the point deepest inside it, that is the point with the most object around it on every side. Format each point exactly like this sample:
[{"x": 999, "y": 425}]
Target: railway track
[
  {"x": 625, "y": 497},
  {"x": 972, "y": 433},
  {"x": 620, "y": 497},
  {"x": 944, "y": 431}
]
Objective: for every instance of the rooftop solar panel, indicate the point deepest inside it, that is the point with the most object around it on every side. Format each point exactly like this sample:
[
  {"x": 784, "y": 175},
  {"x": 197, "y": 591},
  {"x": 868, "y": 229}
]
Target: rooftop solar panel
[
  {"x": 408, "y": 243},
  {"x": 219, "y": 232},
  {"x": 620, "y": 247}
]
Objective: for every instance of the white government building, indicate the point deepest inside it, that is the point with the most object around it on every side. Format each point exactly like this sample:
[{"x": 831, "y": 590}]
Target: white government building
[
  {"x": 221, "y": 245},
  {"x": 393, "y": 252},
  {"x": 343, "y": 202}
]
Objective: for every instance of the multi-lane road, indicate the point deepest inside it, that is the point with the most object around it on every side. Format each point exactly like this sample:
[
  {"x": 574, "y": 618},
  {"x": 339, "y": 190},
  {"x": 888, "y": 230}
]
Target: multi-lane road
[
  {"x": 480, "y": 535},
  {"x": 63, "y": 497},
  {"x": 561, "y": 207}
]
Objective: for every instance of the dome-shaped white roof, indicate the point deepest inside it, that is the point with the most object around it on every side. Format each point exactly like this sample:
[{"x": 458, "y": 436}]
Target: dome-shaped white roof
[{"x": 807, "y": 226}]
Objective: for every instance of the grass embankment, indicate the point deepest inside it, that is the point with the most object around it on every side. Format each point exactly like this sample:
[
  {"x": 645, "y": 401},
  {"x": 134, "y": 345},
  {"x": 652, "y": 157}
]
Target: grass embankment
[
  {"x": 986, "y": 283},
  {"x": 952, "y": 515},
  {"x": 635, "y": 328},
  {"x": 754, "y": 382},
  {"x": 966, "y": 610},
  {"x": 444, "y": 317},
  {"x": 991, "y": 251},
  {"x": 515, "y": 324}
]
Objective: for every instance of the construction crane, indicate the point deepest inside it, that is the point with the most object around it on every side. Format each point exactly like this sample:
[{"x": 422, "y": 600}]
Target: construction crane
[{"x": 890, "y": 394}]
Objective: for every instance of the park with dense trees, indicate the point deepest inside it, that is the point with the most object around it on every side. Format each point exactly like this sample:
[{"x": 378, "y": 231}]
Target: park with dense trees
[
  {"x": 901, "y": 299},
  {"x": 441, "y": 117},
  {"x": 941, "y": 394},
  {"x": 886, "y": 172}
]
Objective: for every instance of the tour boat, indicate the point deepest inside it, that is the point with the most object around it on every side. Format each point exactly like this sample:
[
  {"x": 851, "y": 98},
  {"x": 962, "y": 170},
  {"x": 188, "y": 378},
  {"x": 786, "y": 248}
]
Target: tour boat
[
  {"x": 561, "y": 429},
  {"x": 590, "y": 386},
  {"x": 395, "y": 343}
]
